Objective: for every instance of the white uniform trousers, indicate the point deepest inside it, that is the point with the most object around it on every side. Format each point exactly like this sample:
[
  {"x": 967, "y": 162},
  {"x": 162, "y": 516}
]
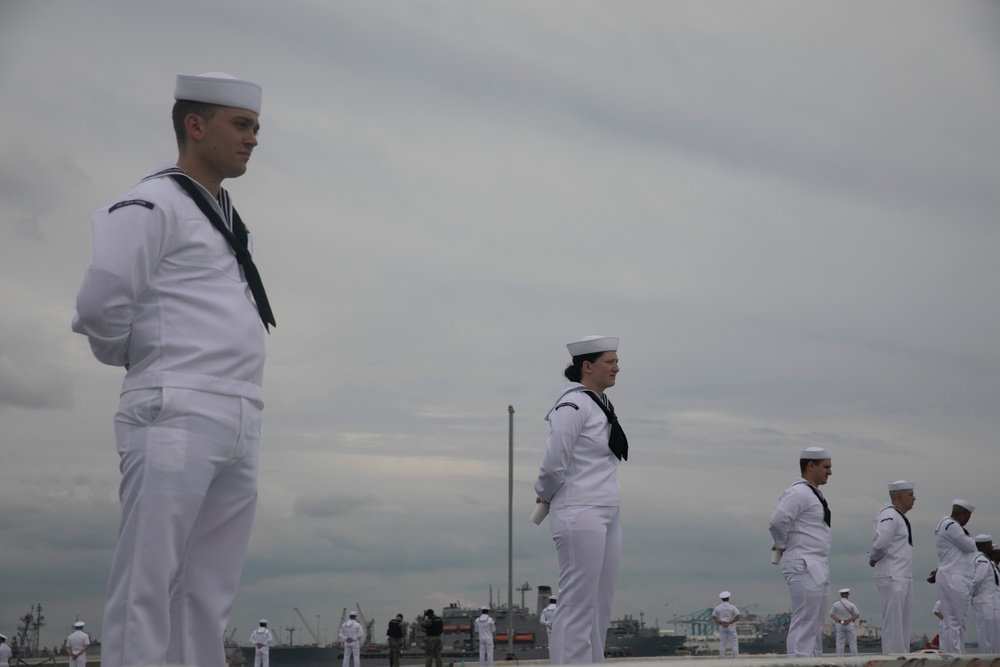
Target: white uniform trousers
[
  {"x": 78, "y": 661},
  {"x": 984, "y": 612},
  {"x": 846, "y": 634},
  {"x": 262, "y": 658},
  {"x": 955, "y": 593},
  {"x": 896, "y": 594},
  {"x": 486, "y": 653},
  {"x": 728, "y": 637},
  {"x": 589, "y": 546},
  {"x": 809, "y": 588},
  {"x": 188, "y": 494},
  {"x": 352, "y": 649}
]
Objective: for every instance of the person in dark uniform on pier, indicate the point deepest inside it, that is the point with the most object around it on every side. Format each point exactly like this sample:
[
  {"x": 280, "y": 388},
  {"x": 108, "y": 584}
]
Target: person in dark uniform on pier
[
  {"x": 433, "y": 627},
  {"x": 395, "y": 635}
]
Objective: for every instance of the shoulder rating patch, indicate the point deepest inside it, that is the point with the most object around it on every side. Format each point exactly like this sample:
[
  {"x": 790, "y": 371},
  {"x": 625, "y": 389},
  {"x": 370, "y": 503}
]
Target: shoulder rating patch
[
  {"x": 563, "y": 405},
  {"x": 132, "y": 202}
]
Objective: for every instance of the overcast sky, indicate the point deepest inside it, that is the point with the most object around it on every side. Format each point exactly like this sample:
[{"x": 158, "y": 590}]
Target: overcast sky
[{"x": 787, "y": 212}]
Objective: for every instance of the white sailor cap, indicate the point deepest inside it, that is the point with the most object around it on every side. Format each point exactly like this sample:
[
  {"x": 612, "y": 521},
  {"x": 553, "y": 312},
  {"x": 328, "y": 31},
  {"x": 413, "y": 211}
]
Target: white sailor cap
[
  {"x": 484, "y": 608},
  {"x": 725, "y": 594},
  {"x": 964, "y": 503},
  {"x": 79, "y": 624},
  {"x": 901, "y": 485},
  {"x": 353, "y": 613},
  {"x": 981, "y": 539},
  {"x": 845, "y": 591},
  {"x": 218, "y": 88},
  {"x": 3, "y": 637},
  {"x": 814, "y": 454},
  {"x": 591, "y": 344},
  {"x": 263, "y": 621}
]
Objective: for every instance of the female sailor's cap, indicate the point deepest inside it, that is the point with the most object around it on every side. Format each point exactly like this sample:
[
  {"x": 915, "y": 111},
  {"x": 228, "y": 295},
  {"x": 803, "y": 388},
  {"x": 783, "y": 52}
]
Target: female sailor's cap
[
  {"x": 901, "y": 485},
  {"x": 964, "y": 503},
  {"x": 218, "y": 88},
  {"x": 845, "y": 590},
  {"x": 591, "y": 344},
  {"x": 79, "y": 624},
  {"x": 724, "y": 594},
  {"x": 814, "y": 454},
  {"x": 981, "y": 539}
]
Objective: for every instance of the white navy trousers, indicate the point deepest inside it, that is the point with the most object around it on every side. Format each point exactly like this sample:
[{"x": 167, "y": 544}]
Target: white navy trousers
[
  {"x": 485, "y": 652},
  {"x": 729, "y": 638},
  {"x": 955, "y": 593},
  {"x": 809, "y": 588},
  {"x": 188, "y": 493},
  {"x": 589, "y": 547},
  {"x": 897, "y": 601}
]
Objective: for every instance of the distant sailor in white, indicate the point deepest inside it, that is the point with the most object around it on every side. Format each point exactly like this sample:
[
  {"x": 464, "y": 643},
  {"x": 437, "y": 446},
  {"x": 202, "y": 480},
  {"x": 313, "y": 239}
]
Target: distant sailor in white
[
  {"x": 578, "y": 480},
  {"x": 352, "y": 634},
  {"x": 800, "y": 531},
  {"x": 985, "y": 596},
  {"x": 892, "y": 557},
  {"x": 261, "y": 638},
  {"x": 5, "y": 652},
  {"x": 956, "y": 554},
  {"x": 546, "y": 618},
  {"x": 725, "y": 616},
  {"x": 844, "y": 613},
  {"x": 76, "y": 646},
  {"x": 486, "y": 627}
]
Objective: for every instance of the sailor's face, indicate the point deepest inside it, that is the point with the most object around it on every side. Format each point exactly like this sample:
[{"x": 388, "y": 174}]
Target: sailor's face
[
  {"x": 819, "y": 471},
  {"x": 231, "y": 135},
  {"x": 906, "y": 500},
  {"x": 602, "y": 371}
]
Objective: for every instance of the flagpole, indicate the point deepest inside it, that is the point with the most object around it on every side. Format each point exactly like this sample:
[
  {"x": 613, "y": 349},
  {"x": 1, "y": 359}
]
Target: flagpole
[{"x": 510, "y": 533}]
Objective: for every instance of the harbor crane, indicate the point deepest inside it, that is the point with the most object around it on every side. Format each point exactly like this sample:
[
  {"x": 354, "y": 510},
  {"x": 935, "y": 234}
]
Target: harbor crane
[{"x": 308, "y": 627}]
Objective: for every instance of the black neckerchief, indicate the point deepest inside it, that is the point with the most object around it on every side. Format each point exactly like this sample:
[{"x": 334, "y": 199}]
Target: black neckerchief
[
  {"x": 617, "y": 440},
  {"x": 237, "y": 239},
  {"x": 827, "y": 515},
  {"x": 909, "y": 533}
]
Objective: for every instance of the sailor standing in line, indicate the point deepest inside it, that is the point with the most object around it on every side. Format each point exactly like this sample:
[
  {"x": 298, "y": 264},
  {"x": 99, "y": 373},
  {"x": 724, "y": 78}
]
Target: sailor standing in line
[
  {"x": 800, "y": 530},
  {"x": 76, "y": 645},
  {"x": 725, "y": 616},
  {"x": 352, "y": 634},
  {"x": 485, "y": 628},
  {"x": 844, "y": 613},
  {"x": 985, "y": 595},
  {"x": 892, "y": 557},
  {"x": 5, "y": 652},
  {"x": 578, "y": 480},
  {"x": 261, "y": 639},
  {"x": 546, "y": 618},
  {"x": 956, "y": 553},
  {"x": 172, "y": 296}
]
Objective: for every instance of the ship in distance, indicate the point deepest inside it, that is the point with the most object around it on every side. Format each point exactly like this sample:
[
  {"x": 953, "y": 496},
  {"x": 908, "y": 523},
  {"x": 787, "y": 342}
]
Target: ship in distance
[{"x": 627, "y": 636}]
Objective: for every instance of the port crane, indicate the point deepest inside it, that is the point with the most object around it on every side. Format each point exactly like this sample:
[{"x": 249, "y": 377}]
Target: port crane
[{"x": 308, "y": 627}]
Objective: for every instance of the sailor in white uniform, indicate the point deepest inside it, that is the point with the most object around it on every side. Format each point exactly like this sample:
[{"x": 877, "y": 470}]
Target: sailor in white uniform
[
  {"x": 352, "y": 634},
  {"x": 261, "y": 639},
  {"x": 956, "y": 554},
  {"x": 985, "y": 595},
  {"x": 892, "y": 557},
  {"x": 5, "y": 652},
  {"x": 725, "y": 616},
  {"x": 169, "y": 298},
  {"x": 844, "y": 613},
  {"x": 800, "y": 532},
  {"x": 546, "y": 618},
  {"x": 76, "y": 646},
  {"x": 578, "y": 480},
  {"x": 486, "y": 627}
]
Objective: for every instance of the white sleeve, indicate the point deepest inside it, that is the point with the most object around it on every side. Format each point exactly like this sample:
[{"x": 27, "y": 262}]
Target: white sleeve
[
  {"x": 566, "y": 424},
  {"x": 789, "y": 508},
  {"x": 958, "y": 537},
  {"x": 127, "y": 247},
  {"x": 884, "y": 528}
]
